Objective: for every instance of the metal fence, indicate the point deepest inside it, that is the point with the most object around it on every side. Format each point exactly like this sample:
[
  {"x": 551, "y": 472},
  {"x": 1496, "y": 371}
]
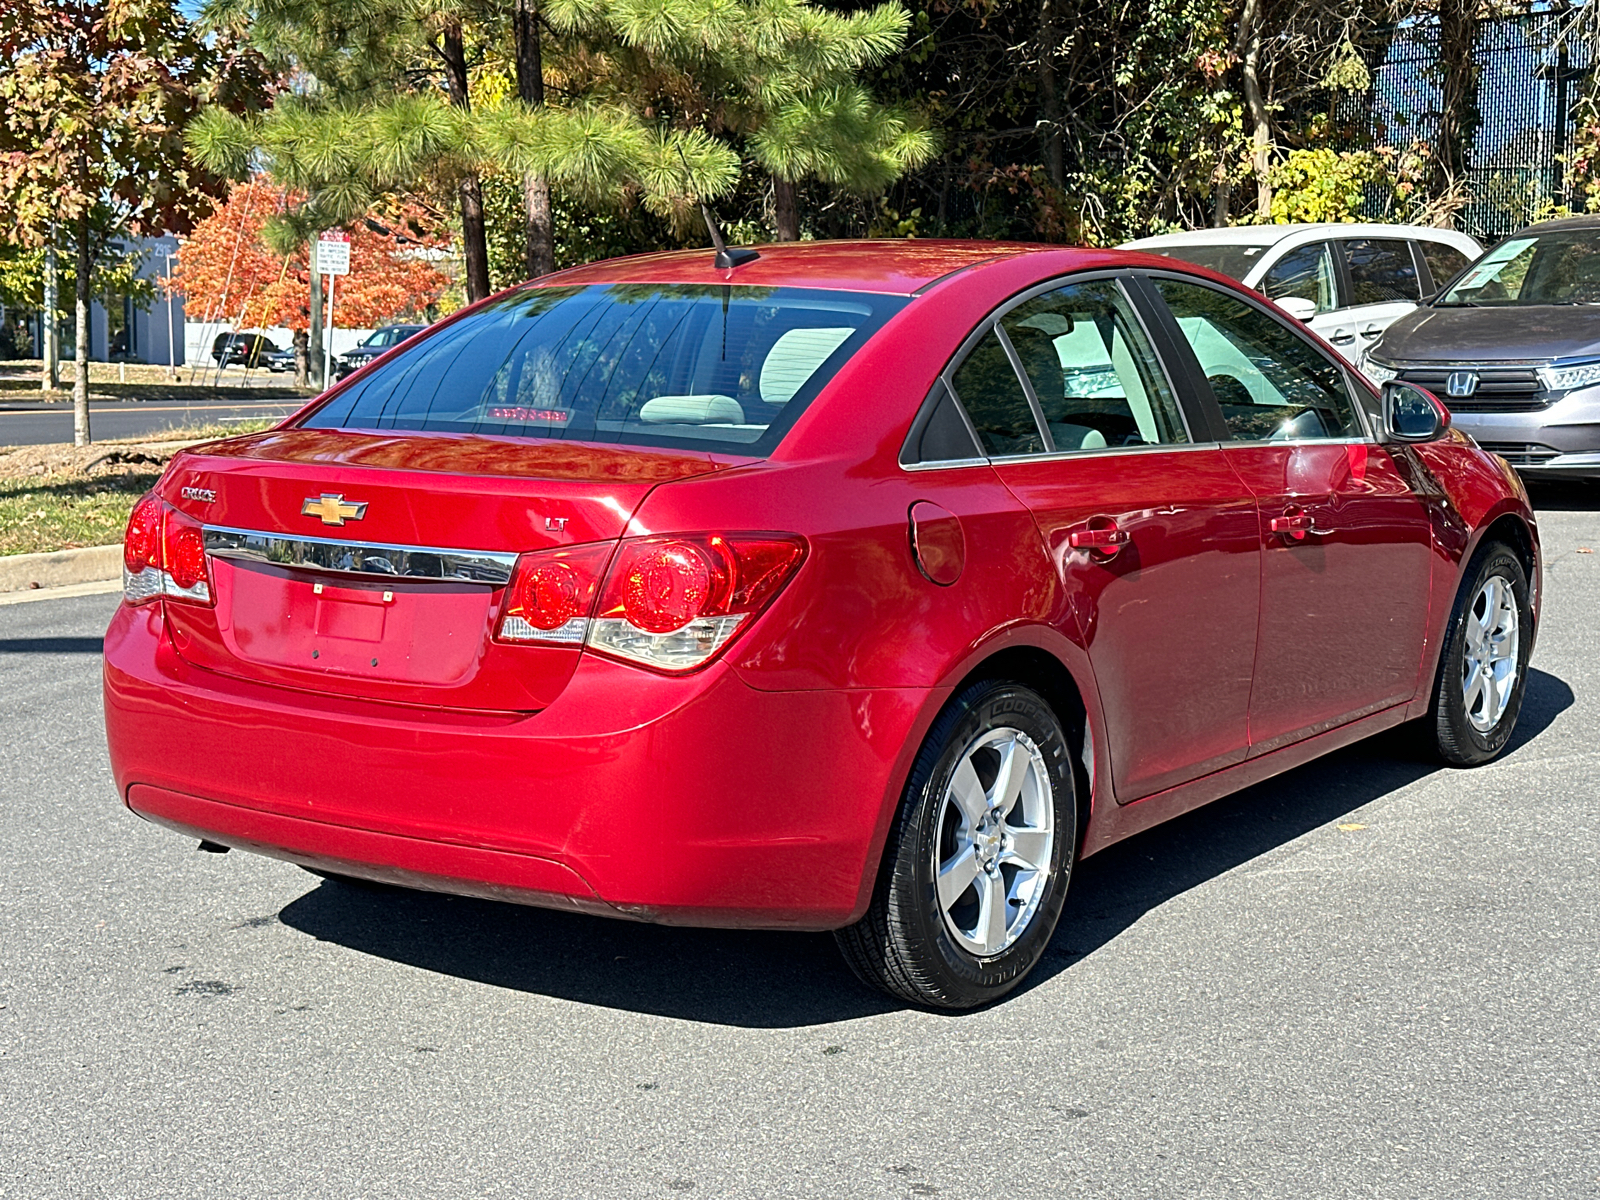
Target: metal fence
[{"x": 1531, "y": 79}]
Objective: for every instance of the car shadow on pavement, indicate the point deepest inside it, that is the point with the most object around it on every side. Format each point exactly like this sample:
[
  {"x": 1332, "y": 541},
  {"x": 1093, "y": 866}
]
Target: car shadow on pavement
[
  {"x": 782, "y": 980},
  {"x": 52, "y": 645},
  {"x": 1116, "y": 887},
  {"x": 1563, "y": 495}
]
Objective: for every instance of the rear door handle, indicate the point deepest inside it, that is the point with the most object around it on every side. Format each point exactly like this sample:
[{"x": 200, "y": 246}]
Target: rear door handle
[
  {"x": 1342, "y": 337},
  {"x": 1107, "y": 539},
  {"x": 1372, "y": 331},
  {"x": 1294, "y": 525}
]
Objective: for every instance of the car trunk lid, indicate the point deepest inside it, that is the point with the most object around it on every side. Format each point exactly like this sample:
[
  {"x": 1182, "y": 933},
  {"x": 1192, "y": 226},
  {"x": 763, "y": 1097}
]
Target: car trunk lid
[{"x": 376, "y": 565}]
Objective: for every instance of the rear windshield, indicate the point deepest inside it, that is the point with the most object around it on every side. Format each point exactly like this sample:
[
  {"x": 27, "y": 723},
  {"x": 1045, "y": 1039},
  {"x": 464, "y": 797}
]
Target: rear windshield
[
  {"x": 1233, "y": 261},
  {"x": 719, "y": 367}
]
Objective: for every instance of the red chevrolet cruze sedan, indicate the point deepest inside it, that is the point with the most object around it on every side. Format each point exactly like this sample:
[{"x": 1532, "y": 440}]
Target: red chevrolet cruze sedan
[{"x": 859, "y": 586}]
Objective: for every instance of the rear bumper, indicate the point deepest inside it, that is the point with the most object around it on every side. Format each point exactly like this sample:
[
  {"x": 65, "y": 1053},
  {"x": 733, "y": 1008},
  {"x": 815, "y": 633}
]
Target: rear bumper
[{"x": 696, "y": 800}]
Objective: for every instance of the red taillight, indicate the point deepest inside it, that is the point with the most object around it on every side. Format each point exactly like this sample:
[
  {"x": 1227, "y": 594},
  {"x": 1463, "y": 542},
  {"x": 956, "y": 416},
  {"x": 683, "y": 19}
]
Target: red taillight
[
  {"x": 551, "y": 593},
  {"x": 184, "y": 553},
  {"x": 666, "y": 585},
  {"x": 141, "y": 545},
  {"x": 164, "y": 554},
  {"x": 674, "y": 603},
  {"x": 671, "y": 603}
]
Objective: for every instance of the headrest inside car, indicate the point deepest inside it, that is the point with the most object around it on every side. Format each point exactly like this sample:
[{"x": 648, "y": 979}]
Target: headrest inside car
[{"x": 692, "y": 410}]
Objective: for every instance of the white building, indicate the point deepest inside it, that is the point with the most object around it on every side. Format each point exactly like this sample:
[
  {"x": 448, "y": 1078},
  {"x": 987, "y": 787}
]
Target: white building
[{"x": 124, "y": 332}]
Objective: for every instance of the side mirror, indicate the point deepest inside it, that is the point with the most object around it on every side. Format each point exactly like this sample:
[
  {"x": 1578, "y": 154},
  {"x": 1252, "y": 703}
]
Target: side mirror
[
  {"x": 1412, "y": 414},
  {"x": 1299, "y": 308}
]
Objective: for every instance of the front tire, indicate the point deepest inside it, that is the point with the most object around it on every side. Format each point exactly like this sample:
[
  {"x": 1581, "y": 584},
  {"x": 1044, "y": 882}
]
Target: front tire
[
  {"x": 1483, "y": 668},
  {"x": 978, "y": 861}
]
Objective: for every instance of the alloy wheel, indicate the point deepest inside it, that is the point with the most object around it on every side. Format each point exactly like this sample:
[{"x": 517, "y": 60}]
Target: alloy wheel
[
  {"x": 1489, "y": 653},
  {"x": 996, "y": 836}
]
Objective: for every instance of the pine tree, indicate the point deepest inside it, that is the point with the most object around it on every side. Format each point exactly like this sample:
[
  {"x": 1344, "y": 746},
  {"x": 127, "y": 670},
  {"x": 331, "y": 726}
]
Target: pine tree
[{"x": 780, "y": 76}]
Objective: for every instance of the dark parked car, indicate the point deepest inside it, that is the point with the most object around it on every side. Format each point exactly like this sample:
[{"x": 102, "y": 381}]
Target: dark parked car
[
  {"x": 379, "y": 341},
  {"x": 245, "y": 349},
  {"x": 1512, "y": 345},
  {"x": 278, "y": 361}
]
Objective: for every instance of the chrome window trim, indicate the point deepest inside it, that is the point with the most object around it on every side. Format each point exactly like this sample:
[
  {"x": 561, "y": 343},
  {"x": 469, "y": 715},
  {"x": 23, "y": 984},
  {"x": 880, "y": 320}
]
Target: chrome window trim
[
  {"x": 373, "y": 560},
  {"x": 1290, "y": 443},
  {"x": 1101, "y": 451},
  {"x": 944, "y": 464},
  {"x": 1067, "y": 455}
]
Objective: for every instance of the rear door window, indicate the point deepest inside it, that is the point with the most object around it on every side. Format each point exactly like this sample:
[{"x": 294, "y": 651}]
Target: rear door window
[
  {"x": 988, "y": 388},
  {"x": 715, "y": 367},
  {"x": 1096, "y": 377},
  {"x": 1382, "y": 271}
]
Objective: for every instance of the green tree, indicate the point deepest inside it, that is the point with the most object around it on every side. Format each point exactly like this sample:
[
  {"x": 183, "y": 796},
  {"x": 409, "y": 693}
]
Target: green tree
[
  {"x": 779, "y": 78},
  {"x": 95, "y": 96}
]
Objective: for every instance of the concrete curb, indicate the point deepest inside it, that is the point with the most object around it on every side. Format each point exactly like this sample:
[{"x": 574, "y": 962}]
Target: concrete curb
[
  {"x": 101, "y": 587},
  {"x": 22, "y": 572}
]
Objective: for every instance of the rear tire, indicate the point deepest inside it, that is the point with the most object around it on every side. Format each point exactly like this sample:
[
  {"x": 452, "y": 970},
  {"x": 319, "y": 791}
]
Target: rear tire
[
  {"x": 1483, "y": 667},
  {"x": 978, "y": 860}
]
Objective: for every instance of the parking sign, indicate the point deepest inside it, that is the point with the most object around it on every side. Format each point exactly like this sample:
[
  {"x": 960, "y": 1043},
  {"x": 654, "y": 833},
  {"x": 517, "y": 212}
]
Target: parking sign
[{"x": 333, "y": 253}]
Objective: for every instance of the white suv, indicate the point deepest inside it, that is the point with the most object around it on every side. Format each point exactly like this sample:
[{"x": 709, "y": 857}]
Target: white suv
[{"x": 1348, "y": 282}]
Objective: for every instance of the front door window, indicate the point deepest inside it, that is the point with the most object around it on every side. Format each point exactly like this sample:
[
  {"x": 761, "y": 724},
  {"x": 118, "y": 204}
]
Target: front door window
[{"x": 1271, "y": 384}]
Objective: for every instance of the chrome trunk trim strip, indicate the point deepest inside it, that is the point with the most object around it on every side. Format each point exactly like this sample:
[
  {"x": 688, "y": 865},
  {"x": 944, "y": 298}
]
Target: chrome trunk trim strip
[{"x": 376, "y": 559}]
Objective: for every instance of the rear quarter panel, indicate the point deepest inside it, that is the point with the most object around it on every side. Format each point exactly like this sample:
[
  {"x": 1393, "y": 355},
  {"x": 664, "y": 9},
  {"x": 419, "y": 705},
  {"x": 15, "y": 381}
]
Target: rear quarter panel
[{"x": 860, "y": 615}]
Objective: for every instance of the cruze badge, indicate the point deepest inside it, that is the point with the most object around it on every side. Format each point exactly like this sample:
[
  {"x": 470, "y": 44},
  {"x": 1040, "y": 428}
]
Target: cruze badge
[
  {"x": 333, "y": 508},
  {"x": 1461, "y": 384}
]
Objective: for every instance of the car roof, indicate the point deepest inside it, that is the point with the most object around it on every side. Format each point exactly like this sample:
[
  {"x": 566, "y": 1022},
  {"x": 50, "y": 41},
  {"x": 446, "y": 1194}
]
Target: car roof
[
  {"x": 1585, "y": 221},
  {"x": 1271, "y": 235},
  {"x": 892, "y": 267}
]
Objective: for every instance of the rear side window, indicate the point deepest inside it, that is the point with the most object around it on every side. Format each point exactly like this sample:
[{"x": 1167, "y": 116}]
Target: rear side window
[
  {"x": 1444, "y": 262},
  {"x": 718, "y": 367},
  {"x": 992, "y": 394},
  {"x": 1304, "y": 274},
  {"x": 1382, "y": 271}
]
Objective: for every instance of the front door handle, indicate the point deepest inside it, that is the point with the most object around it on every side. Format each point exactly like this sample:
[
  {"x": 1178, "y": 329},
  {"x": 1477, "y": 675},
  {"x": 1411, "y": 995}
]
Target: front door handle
[
  {"x": 1372, "y": 331},
  {"x": 1294, "y": 525},
  {"x": 1103, "y": 539}
]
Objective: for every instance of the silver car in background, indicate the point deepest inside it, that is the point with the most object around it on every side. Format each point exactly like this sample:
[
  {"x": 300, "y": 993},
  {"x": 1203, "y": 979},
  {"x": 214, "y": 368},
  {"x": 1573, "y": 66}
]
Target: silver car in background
[
  {"x": 1347, "y": 282},
  {"x": 1512, "y": 346}
]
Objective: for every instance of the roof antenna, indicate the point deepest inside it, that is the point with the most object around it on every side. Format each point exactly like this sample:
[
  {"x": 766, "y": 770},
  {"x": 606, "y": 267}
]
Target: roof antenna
[{"x": 726, "y": 259}]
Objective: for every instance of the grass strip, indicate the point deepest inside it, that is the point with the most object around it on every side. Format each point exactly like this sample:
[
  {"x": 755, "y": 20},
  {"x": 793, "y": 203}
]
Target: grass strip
[{"x": 67, "y": 508}]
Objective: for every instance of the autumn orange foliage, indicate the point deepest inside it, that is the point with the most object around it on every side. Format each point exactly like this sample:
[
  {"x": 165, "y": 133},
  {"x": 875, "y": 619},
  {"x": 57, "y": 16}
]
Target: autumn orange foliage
[{"x": 229, "y": 277}]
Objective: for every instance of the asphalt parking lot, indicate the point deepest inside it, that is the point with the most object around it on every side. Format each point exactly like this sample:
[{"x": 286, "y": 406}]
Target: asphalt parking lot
[{"x": 1367, "y": 978}]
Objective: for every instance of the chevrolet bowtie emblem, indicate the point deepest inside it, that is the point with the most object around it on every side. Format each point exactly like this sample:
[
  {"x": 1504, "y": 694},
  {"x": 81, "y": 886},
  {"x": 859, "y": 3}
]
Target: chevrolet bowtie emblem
[{"x": 333, "y": 508}]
